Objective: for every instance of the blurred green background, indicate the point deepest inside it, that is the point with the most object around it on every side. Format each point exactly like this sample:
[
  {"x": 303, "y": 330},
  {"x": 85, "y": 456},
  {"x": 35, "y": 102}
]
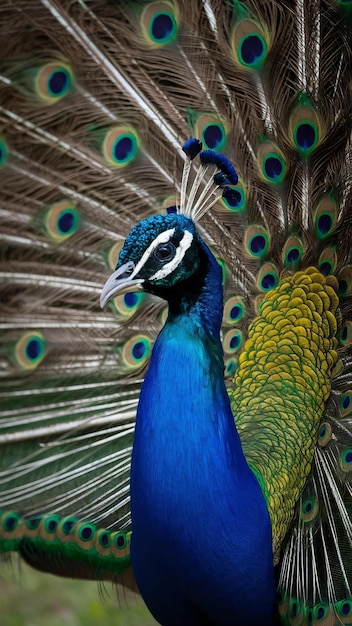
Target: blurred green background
[{"x": 30, "y": 598}]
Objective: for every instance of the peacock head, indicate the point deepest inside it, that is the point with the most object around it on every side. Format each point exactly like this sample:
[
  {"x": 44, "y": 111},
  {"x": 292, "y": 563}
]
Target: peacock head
[
  {"x": 165, "y": 251},
  {"x": 160, "y": 252}
]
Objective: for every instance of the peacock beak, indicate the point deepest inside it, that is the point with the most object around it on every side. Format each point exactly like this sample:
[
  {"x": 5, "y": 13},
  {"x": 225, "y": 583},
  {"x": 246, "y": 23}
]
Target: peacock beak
[{"x": 121, "y": 281}]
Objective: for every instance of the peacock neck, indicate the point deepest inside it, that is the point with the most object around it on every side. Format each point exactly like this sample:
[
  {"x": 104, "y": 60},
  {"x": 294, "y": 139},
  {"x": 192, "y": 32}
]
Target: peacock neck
[
  {"x": 187, "y": 456},
  {"x": 187, "y": 364}
]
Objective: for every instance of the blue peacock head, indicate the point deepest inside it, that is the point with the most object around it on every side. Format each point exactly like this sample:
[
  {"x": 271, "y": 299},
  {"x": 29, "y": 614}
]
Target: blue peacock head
[{"x": 165, "y": 251}]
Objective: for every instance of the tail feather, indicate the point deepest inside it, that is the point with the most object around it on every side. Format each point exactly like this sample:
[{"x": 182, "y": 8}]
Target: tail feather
[{"x": 96, "y": 101}]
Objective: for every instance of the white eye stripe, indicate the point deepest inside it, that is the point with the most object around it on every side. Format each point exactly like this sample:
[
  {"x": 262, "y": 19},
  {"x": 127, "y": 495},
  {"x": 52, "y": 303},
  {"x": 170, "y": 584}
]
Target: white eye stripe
[
  {"x": 181, "y": 250},
  {"x": 162, "y": 238}
]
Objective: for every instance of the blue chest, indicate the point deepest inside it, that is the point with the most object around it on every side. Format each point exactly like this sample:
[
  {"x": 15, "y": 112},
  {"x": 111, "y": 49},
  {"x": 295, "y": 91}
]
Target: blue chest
[{"x": 201, "y": 532}]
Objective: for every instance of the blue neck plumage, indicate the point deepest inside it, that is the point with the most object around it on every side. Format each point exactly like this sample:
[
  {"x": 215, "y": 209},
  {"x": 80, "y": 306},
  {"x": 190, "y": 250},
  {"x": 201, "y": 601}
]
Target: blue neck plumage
[{"x": 190, "y": 482}]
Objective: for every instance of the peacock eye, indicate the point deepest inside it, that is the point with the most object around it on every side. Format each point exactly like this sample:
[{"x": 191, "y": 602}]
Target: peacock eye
[{"x": 165, "y": 251}]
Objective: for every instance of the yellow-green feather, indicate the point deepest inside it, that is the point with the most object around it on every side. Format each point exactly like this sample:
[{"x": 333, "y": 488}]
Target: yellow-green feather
[{"x": 282, "y": 384}]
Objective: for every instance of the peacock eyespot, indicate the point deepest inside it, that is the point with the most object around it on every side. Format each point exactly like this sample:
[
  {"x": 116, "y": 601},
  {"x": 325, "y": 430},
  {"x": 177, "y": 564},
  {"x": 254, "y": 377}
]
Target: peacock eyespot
[
  {"x": 309, "y": 509},
  {"x": 343, "y": 287},
  {"x": 66, "y": 221},
  {"x": 256, "y": 241},
  {"x": 123, "y": 149},
  {"x": 61, "y": 220},
  {"x": 258, "y": 245},
  {"x": 293, "y": 255},
  {"x": 53, "y": 81},
  {"x": 292, "y": 252},
  {"x": 344, "y": 608},
  {"x": 30, "y": 350},
  {"x": 346, "y": 401},
  {"x": 346, "y": 460},
  {"x": 118, "y": 145},
  {"x": 163, "y": 27},
  {"x": 127, "y": 304},
  {"x": 130, "y": 299},
  {"x": 324, "y": 224},
  {"x": 165, "y": 251},
  {"x": 326, "y": 268},
  {"x": 139, "y": 350},
  {"x": 120, "y": 541},
  {"x": 233, "y": 198},
  {"x": 320, "y": 612},
  {"x": 306, "y": 136},
  {"x": 236, "y": 312},
  {"x": 214, "y": 136},
  {"x": 50, "y": 525},
  {"x": 345, "y": 334},
  {"x": 159, "y": 23},
  {"x": 325, "y": 434},
  {"x": 10, "y": 522},
  {"x": 59, "y": 82},
  {"x": 232, "y": 341},
  {"x": 267, "y": 278},
  {"x": 33, "y": 348},
  {"x": 235, "y": 342},
  {"x": 252, "y": 50},
  {"x": 308, "y": 506},
  {"x": 230, "y": 367},
  {"x": 86, "y": 533},
  {"x": 294, "y": 608},
  {"x": 104, "y": 539},
  {"x": 322, "y": 431},
  {"x": 347, "y": 456},
  {"x": 269, "y": 281},
  {"x": 274, "y": 168},
  {"x": 136, "y": 351}
]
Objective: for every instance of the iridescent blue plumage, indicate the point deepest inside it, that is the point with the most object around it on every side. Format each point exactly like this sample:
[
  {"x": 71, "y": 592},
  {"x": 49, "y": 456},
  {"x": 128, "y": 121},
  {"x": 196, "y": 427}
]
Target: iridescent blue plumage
[{"x": 197, "y": 556}]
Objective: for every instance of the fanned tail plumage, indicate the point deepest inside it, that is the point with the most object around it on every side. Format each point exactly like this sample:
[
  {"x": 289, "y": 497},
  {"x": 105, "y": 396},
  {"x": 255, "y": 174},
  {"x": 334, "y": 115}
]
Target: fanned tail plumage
[{"x": 96, "y": 101}]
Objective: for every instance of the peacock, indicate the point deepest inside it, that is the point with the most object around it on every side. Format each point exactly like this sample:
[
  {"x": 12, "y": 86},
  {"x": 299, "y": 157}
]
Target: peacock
[{"x": 184, "y": 426}]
